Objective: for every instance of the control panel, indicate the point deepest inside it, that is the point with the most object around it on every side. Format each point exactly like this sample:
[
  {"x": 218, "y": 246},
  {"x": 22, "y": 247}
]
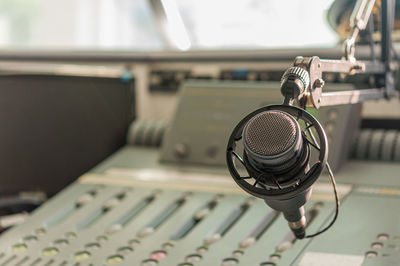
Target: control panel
[{"x": 207, "y": 112}]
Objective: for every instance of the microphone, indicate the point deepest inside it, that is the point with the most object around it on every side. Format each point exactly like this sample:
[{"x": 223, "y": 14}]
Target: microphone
[
  {"x": 276, "y": 156},
  {"x": 273, "y": 144}
]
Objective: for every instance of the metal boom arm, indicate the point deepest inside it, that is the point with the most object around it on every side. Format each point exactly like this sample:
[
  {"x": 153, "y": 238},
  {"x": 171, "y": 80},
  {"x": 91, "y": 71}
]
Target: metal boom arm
[{"x": 303, "y": 82}]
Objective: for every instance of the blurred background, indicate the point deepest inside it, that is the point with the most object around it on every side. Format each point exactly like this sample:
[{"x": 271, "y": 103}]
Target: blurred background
[{"x": 139, "y": 25}]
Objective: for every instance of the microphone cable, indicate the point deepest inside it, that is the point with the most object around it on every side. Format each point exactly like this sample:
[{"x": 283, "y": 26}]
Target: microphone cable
[{"x": 332, "y": 179}]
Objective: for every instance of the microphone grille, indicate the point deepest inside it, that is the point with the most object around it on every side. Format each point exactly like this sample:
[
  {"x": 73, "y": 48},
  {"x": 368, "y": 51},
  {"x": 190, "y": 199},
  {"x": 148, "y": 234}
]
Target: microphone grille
[{"x": 271, "y": 133}]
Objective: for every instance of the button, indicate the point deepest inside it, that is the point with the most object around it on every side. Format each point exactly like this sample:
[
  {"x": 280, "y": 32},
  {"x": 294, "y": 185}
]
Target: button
[
  {"x": 49, "y": 252},
  {"x": 275, "y": 257},
  {"x": 371, "y": 254},
  {"x": 61, "y": 243},
  {"x": 149, "y": 263},
  {"x": 158, "y": 255},
  {"x": 82, "y": 255},
  {"x": 193, "y": 258},
  {"x": 115, "y": 259},
  {"x": 383, "y": 236},
  {"x": 20, "y": 247},
  {"x": 376, "y": 245},
  {"x": 124, "y": 250},
  {"x": 237, "y": 253},
  {"x": 167, "y": 246},
  {"x": 202, "y": 250},
  {"x": 229, "y": 262},
  {"x": 92, "y": 246}
]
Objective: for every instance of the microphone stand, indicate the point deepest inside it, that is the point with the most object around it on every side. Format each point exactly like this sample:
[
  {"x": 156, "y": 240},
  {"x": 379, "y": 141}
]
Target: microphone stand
[{"x": 309, "y": 93}]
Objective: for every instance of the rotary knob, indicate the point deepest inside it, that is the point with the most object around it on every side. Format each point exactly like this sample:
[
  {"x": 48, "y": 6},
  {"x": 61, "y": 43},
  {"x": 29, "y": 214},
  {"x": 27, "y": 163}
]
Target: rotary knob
[{"x": 294, "y": 82}]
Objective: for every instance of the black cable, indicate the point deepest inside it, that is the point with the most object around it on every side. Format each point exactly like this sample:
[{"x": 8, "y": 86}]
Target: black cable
[
  {"x": 333, "y": 182},
  {"x": 337, "y": 200}
]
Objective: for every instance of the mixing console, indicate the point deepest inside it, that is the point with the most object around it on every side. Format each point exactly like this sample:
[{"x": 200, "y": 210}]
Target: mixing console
[
  {"x": 178, "y": 205},
  {"x": 120, "y": 214}
]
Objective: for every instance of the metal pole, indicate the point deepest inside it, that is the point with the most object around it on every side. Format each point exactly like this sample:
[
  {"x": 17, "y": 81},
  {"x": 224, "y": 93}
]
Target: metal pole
[{"x": 387, "y": 12}]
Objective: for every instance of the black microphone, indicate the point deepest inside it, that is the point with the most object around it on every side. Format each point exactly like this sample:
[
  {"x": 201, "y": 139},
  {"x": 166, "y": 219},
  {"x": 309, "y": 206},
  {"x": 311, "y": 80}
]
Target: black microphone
[
  {"x": 276, "y": 155},
  {"x": 273, "y": 144}
]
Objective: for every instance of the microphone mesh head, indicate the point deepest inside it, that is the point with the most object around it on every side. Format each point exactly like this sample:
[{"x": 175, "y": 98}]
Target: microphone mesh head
[{"x": 271, "y": 133}]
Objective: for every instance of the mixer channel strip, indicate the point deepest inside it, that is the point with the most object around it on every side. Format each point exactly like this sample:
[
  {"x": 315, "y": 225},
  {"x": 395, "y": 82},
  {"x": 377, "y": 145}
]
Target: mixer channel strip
[
  {"x": 107, "y": 225},
  {"x": 251, "y": 238},
  {"x": 121, "y": 222},
  {"x": 100, "y": 212},
  {"x": 162, "y": 216},
  {"x": 183, "y": 230},
  {"x": 199, "y": 215},
  {"x": 69, "y": 209}
]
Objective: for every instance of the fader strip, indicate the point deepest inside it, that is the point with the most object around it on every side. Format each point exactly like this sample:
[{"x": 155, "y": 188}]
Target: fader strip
[
  {"x": 195, "y": 238},
  {"x": 100, "y": 245},
  {"x": 70, "y": 208},
  {"x": 251, "y": 238}
]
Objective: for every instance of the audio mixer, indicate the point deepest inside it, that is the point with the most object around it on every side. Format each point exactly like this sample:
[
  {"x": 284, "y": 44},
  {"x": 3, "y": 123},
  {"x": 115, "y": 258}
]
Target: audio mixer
[{"x": 175, "y": 203}]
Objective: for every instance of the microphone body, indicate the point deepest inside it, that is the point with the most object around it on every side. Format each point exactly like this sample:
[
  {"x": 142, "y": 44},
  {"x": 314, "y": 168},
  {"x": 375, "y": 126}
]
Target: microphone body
[
  {"x": 293, "y": 211},
  {"x": 275, "y": 151},
  {"x": 276, "y": 155}
]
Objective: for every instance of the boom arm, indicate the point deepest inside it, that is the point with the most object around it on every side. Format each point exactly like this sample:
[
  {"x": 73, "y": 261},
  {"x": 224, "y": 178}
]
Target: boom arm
[{"x": 303, "y": 82}]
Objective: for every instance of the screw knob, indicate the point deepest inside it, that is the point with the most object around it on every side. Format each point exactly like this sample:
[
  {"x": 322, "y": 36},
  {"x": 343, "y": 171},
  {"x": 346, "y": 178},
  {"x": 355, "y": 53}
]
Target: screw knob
[{"x": 294, "y": 81}]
